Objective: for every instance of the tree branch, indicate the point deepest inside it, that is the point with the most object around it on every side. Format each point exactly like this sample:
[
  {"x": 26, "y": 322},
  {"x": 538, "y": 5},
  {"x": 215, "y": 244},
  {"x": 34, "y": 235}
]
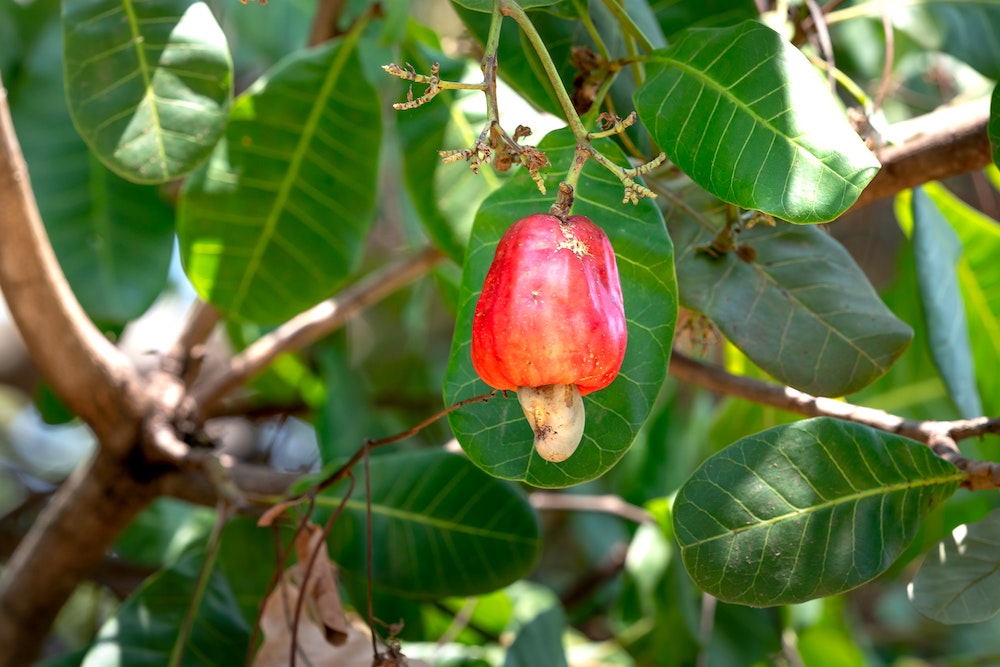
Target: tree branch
[
  {"x": 91, "y": 375},
  {"x": 940, "y": 436},
  {"x": 185, "y": 356},
  {"x": 65, "y": 546},
  {"x": 943, "y": 143},
  {"x": 548, "y": 501},
  {"x": 313, "y": 324}
]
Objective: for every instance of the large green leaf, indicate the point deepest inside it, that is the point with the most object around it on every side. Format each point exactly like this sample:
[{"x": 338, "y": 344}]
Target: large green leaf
[
  {"x": 971, "y": 33},
  {"x": 148, "y": 83},
  {"x": 496, "y": 435},
  {"x": 958, "y": 580},
  {"x": 938, "y": 251},
  {"x": 145, "y": 629},
  {"x": 801, "y": 309},
  {"x": 805, "y": 510},
  {"x": 742, "y": 112},
  {"x": 278, "y": 218},
  {"x": 979, "y": 278},
  {"x": 440, "y": 527},
  {"x": 113, "y": 238}
]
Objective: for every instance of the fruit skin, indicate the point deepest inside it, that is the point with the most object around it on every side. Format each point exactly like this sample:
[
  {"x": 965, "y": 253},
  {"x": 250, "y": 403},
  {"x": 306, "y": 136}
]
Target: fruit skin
[{"x": 551, "y": 311}]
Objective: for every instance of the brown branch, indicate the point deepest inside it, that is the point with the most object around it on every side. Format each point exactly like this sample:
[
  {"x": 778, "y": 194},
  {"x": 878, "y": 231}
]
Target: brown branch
[
  {"x": 313, "y": 324},
  {"x": 91, "y": 375},
  {"x": 65, "y": 546},
  {"x": 940, "y": 436},
  {"x": 547, "y": 501},
  {"x": 326, "y": 22},
  {"x": 944, "y": 143},
  {"x": 187, "y": 353}
]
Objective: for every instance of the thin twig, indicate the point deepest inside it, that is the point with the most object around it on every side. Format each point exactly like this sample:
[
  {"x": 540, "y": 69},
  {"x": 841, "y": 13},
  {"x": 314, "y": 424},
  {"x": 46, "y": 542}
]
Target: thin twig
[
  {"x": 890, "y": 54},
  {"x": 313, "y": 324},
  {"x": 940, "y": 436},
  {"x": 548, "y": 501}
]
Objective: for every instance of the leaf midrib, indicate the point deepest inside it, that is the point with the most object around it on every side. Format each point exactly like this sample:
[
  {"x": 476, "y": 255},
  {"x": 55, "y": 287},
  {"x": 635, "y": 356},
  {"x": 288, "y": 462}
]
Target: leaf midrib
[
  {"x": 426, "y": 520},
  {"x": 140, "y": 52},
  {"x": 292, "y": 173},
  {"x": 957, "y": 476}
]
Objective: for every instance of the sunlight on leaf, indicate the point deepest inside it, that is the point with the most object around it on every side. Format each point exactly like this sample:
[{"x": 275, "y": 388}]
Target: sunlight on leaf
[
  {"x": 148, "y": 83},
  {"x": 279, "y": 216},
  {"x": 743, "y": 113},
  {"x": 938, "y": 250}
]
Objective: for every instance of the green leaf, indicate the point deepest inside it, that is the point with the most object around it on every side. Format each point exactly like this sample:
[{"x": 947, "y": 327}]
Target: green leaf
[
  {"x": 676, "y": 15},
  {"x": 805, "y": 510},
  {"x": 148, "y": 83},
  {"x": 440, "y": 526},
  {"x": 278, "y": 218},
  {"x": 495, "y": 435},
  {"x": 802, "y": 310},
  {"x": 113, "y": 238},
  {"x": 993, "y": 126},
  {"x": 144, "y": 630},
  {"x": 540, "y": 641},
  {"x": 958, "y": 580},
  {"x": 742, "y": 112},
  {"x": 938, "y": 251},
  {"x": 979, "y": 278},
  {"x": 971, "y": 33},
  {"x": 164, "y": 532}
]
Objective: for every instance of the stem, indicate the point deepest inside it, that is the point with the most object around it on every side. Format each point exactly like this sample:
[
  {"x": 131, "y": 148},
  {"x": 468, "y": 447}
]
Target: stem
[
  {"x": 513, "y": 10},
  {"x": 211, "y": 551},
  {"x": 628, "y": 25},
  {"x": 312, "y": 325}
]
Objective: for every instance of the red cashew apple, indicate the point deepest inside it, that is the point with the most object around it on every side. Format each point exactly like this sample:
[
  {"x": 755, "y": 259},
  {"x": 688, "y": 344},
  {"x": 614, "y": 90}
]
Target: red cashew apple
[{"x": 550, "y": 324}]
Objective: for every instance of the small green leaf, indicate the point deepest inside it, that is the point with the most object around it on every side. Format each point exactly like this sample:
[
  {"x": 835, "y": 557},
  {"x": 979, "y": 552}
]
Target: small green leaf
[
  {"x": 540, "y": 641},
  {"x": 938, "y": 251},
  {"x": 148, "y": 83},
  {"x": 278, "y": 218},
  {"x": 979, "y": 278},
  {"x": 440, "y": 526},
  {"x": 805, "y": 510},
  {"x": 495, "y": 435},
  {"x": 958, "y": 580},
  {"x": 742, "y": 112},
  {"x": 801, "y": 309},
  {"x": 144, "y": 630}
]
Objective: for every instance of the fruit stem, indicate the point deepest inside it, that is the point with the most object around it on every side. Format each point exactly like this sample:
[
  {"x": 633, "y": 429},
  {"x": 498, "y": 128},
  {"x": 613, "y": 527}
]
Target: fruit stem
[{"x": 512, "y": 9}]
